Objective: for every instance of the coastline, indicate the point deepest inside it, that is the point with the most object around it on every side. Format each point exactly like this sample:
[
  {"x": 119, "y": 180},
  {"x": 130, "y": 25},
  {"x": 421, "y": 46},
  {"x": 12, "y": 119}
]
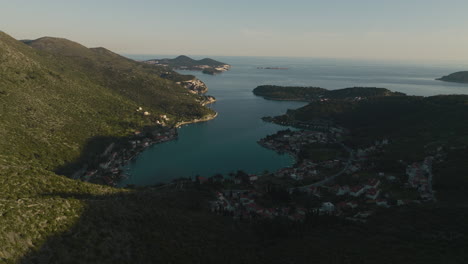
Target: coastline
[
  {"x": 204, "y": 119},
  {"x": 111, "y": 171},
  {"x": 284, "y": 99}
]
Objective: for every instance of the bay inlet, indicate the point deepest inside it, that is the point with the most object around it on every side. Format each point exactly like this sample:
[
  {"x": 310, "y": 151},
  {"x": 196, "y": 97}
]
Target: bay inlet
[{"x": 229, "y": 142}]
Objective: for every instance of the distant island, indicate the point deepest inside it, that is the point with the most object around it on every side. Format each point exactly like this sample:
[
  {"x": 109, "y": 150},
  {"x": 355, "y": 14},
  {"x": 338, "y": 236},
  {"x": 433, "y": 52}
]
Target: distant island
[
  {"x": 207, "y": 65},
  {"x": 309, "y": 94},
  {"x": 272, "y": 68},
  {"x": 457, "y": 77}
]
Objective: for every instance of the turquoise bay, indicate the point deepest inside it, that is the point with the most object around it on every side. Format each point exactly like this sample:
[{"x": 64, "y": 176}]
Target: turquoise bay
[{"x": 229, "y": 142}]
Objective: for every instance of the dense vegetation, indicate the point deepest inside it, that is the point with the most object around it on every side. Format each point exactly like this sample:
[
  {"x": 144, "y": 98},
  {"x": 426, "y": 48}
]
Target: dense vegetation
[
  {"x": 413, "y": 123},
  {"x": 55, "y": 96},
  {"x": 55, "y": 100},
  {"x": 458, "y": 77},
  {"x": 315, "y": 93},
  {"x": 187, "y": 62}
]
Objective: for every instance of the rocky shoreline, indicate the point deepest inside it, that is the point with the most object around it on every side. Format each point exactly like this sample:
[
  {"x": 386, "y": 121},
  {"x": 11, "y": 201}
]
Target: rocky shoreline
[
  {"x": 195, "y": 86},
  {"x": 204, "y": 119},
  {"x": 108, "y": 167}
]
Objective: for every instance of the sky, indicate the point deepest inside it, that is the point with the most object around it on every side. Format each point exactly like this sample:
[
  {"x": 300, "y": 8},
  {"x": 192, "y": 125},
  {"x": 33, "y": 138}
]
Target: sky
[{"x": 355, "y": 29}]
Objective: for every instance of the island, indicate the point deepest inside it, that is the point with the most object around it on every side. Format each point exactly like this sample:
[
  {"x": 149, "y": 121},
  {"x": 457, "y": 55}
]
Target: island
[
  {"x": 272, "y": 68},
  {"x": 207, "y": 65},
  {"x": 309, "y": 94},
  {"x": 457, "y": 77}
]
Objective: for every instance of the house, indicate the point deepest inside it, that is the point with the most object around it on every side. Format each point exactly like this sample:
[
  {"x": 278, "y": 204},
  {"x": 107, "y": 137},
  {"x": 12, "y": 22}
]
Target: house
[
  {"x": 353, "y": 204},
  {"x": 327, "y": 207},
  {"x": 382, "y": 202},
  {"x": 297, "y": 177},
  {"x": 357, "y": 191},
  {"x": 237, "y": 180},
  {"x": 372, "y": 193},
  {"x": 253, "y": 178},
  {"x": 244, "y": 199},
  {"x": 341, "y": 190},
  {"x": 391, "y": 178},
  {"x": 364, "y": 214},
  {"x": 253, "y": 207},
  {"x": 301, "y": 211},
  {"x": 202, "y": 179},
  {"x": 372, "y": 183}
]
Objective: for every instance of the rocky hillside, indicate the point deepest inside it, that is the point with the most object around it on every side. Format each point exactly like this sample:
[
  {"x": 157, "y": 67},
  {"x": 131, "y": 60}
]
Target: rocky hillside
[{"x": 56, "y": 96}]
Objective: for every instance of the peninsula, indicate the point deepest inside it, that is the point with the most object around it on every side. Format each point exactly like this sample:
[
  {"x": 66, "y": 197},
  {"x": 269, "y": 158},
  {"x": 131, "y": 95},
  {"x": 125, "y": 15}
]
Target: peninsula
[
  {"x": 207, "y": 65},
  {"x": 309, "y": 94},
  {"x": 457, "y": 77}
]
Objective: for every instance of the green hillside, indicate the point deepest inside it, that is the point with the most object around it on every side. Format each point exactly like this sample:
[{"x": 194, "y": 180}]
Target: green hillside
[
  {"x": 146, "y": 84},
  {"x": 415, "y": 124},
  {"x": 54, "y": 98}
]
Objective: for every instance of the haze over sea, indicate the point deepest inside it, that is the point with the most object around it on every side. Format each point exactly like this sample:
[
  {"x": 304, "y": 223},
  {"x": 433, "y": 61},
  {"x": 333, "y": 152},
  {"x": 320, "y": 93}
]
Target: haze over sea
[{"x": 229, "y": 142}]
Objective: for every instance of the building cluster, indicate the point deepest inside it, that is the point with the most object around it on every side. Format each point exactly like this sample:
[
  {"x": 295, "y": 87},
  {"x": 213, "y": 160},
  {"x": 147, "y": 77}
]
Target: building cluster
[
  {"x": 108, "y": 168},
  {"x": 420, "y": 177},
  {"x": 243, "y": 205},
  {"x": 356, "y": 201},
  {"x": 363, "y": 153},
  {"x": 291, "y": 142}
]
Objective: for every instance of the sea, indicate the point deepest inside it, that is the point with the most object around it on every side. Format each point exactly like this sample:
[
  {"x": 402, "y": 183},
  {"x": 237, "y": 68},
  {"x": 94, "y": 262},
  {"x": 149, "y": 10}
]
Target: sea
[{"x": 229, "y": 142}]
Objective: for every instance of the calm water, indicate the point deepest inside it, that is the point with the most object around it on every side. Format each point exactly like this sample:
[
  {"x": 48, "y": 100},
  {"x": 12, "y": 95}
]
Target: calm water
[{"x": 228, "y": 143}]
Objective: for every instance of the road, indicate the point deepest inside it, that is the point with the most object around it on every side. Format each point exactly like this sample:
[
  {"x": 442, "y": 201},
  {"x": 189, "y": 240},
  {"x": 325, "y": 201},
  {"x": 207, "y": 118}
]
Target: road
[{"x": 333, "y": 177}]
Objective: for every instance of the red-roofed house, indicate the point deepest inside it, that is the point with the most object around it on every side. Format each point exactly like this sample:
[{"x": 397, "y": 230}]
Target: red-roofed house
[
  {"x": 372, "y": 183},
  {"x": 372, "y": 193},
  {"x": 357, "y": 190},
  {"x": 202, "y": 179}
]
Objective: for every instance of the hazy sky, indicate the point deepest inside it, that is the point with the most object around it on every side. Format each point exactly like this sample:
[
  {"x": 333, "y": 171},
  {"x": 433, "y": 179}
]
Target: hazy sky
[{"x": 365, "y": 29}]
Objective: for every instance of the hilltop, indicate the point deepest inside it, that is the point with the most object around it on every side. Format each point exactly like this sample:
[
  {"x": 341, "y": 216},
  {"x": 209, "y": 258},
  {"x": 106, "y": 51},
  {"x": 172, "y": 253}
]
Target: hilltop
[
  {"x": 207, "y": 65},
  {"x": 457, "y": 77},
  {"x": 295, "y": 93}
]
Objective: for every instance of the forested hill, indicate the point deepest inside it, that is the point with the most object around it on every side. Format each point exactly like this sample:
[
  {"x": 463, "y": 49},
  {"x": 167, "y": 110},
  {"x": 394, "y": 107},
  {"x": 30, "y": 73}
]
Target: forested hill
[
  {"x": 56, "y": 96},
  {"x": 413, "y": 122},
  {"x": 185, "y": 62},
  {"x": 146, "y": 84},
  {"x": 274, "y": 92},
  {"x": 457, "y": 77}
]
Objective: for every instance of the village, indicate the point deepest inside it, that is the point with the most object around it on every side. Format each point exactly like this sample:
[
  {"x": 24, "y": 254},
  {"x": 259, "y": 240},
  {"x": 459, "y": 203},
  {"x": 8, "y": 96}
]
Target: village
[
  {"x": 108, "y": 167},
  {"x": 347, "y": 187}
]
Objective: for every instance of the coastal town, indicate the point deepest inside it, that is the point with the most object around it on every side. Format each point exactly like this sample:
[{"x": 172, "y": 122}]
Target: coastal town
[
  {"x": 109, "y": 167},
  {"x": 345, "y": 185}
]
